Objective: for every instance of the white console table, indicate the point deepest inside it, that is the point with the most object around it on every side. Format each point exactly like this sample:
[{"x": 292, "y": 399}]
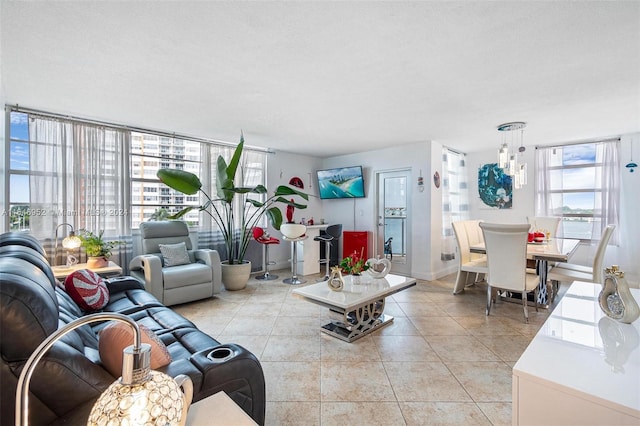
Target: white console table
[{"x": 582, "y": 368}]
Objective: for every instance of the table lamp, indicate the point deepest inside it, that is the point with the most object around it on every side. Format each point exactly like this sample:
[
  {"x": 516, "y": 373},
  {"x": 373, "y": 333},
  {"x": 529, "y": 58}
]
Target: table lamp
[
  {"x": 141, "y": 396},
  {"x": 70, "y": 242}
]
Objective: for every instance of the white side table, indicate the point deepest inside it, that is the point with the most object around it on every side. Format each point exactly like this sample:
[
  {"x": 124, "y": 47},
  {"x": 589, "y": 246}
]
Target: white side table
[
  {"x": 113, "y": 269},
  {"x": 218, "y": 410}
]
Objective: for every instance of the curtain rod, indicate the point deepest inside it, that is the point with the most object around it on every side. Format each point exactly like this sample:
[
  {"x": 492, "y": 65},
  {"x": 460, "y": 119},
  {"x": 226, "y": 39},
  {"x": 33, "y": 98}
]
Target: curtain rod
[
  {"x": 615, "y": 138},
  {"x": 455, "y": 151},
  {"x": 18, "y": 108}
]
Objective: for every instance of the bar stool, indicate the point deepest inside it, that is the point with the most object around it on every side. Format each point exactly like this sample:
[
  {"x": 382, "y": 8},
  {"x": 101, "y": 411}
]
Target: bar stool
[
  {"x": 332, "y": 233},
  {"x": 263, "y": 238},
  {"x": 294, "y": 261}
]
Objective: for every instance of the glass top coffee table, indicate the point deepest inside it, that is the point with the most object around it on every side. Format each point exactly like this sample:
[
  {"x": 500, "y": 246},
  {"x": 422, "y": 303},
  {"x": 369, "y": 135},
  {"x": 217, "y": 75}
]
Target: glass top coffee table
[{"x": 358, "y": 309}]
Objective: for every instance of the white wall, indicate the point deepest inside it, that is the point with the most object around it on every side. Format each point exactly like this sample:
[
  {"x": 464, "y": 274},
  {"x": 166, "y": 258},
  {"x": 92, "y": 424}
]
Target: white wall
[
  {"x": 360, "y": 214},
  {"x": 281, "y": 167}
]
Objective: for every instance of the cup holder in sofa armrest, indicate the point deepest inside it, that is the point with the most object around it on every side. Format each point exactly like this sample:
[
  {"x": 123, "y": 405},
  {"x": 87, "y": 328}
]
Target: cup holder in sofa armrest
[
  {"x": 215, "y": 358},
  {"x": 221, "y": 354}
]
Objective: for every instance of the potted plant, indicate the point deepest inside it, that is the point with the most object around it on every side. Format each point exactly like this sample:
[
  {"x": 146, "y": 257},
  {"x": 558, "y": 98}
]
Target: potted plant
[
  {"x": 354, "y": 265},
  {"x": 232, "y": 205},
  {"x": 98, "y": 250}
]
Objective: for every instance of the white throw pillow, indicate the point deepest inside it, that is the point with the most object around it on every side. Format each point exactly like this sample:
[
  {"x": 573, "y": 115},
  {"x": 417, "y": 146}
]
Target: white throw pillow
[{"x": 174, "y": 254}]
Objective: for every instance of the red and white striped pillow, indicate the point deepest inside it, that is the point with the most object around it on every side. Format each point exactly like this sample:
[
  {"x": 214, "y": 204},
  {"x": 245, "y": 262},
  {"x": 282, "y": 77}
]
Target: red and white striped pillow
[{"x": 87, "y": 289}]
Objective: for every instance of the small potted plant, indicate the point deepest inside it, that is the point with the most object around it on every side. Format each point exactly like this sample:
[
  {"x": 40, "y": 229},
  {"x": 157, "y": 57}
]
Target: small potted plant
[
  {"x": 354, "y": 264},
  {"x": 98, "y": 250}
]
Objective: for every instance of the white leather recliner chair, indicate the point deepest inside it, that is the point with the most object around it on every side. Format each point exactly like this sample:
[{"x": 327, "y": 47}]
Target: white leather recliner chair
[{"x": 198, "y": 278}]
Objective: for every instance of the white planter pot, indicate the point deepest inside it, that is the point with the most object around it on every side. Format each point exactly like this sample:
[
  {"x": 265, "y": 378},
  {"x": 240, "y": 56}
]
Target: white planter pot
[{"x": 235, "y": 277}]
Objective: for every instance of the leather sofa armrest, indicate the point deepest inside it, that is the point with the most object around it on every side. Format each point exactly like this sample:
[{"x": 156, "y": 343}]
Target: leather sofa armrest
[
  {"x": 151, "y": 268},
  {"x": 212, "y": 259},
  {"x": 233, "y": 369},
  {"x": 118, "y": 284}
]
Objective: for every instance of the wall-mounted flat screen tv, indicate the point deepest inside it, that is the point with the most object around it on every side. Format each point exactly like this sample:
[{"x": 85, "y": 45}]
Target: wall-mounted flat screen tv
[{"x": 342, "y": 182}]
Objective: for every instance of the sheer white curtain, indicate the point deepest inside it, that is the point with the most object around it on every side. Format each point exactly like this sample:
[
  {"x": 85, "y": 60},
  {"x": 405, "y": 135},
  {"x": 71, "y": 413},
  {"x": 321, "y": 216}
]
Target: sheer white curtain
[
  {"x": 76, "y": 176},
  {"x": 609, "y": 181},
  {"x": 455, "y": 199},
  {"x": 549, "y": 186}
]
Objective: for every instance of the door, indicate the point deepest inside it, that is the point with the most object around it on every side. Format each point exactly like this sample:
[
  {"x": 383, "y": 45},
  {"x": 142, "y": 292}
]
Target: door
[{"x": 393, "y": 233}]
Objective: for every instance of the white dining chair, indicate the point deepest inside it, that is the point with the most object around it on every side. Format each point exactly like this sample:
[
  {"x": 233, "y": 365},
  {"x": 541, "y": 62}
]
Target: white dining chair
[
  {"x": 569, "y": 272},
  {"x": 506, "y": 246},
  {"x": 545, "y": 224},
  {"x": 468, "y": 233}
]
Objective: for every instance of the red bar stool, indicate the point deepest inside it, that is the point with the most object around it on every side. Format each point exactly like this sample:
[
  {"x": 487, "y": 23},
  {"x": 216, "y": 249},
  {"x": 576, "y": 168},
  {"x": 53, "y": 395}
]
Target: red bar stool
[{"x": 263, "y": 238}]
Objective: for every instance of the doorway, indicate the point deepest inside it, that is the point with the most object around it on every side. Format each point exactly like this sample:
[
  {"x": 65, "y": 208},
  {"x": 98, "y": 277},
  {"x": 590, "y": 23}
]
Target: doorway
[{"x": 393, "y": 233}]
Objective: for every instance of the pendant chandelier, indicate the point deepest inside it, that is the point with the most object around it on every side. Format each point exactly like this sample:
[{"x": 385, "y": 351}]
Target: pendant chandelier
[{"x": 508, "y": 157}]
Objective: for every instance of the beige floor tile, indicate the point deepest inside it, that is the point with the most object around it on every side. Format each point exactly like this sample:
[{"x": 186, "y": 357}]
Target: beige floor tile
[
  {"x": 404, "y": 348},
  {"x": 361, "y": 413},
  {"x": 254, "y": 344},
  {"x": 508, "y": 348},
  {"x": 424, "y": 381},
  {"x": 292, "y": 348},
  {"x": 441, "y": 361},
  {"x": 499, "y": 413},
  {"x": 355, "y": 381},
  {"x": 363, "y": 349},
  {"x": 253, "y": 308},
  {"x": 443, "y": 413},
  {"x": 439, "y": 326},
  {"x": 485, "y": 381},
  {"x": 420, "y": 309},
  {"x": 460, "y": 348},
  {"x": 249, "y": 326},
  {"x": 292, "y": 381},
  {"x": 392, "y": 308},
  {"x": 400, "y": 326},
  {"x": 484, "y": 325},
  {"x": 292, "y": 414},
  {"x": 298, "y": 326}
]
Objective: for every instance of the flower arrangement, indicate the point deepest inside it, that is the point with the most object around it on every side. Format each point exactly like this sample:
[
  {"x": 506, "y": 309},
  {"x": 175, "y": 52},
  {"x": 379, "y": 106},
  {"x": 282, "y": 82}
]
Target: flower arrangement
[{"x": 354, "y": 264}]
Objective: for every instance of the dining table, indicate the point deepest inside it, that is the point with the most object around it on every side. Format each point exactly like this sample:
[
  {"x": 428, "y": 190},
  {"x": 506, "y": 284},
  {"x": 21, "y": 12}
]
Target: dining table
[{"x": 551, "y": 250}]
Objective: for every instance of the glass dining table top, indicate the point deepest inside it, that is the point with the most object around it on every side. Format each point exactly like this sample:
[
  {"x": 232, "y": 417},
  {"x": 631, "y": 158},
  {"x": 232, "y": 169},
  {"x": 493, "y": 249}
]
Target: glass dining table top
[{"x": 554, "y": 249}]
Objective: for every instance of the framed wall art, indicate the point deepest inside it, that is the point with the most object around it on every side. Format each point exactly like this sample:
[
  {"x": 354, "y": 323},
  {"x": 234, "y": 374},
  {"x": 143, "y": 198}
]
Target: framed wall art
[{"x": 495, "y": 187}]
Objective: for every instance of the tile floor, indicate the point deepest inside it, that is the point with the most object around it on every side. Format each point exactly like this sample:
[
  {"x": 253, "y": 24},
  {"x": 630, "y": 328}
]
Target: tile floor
[{"x": 440, "y": 362}]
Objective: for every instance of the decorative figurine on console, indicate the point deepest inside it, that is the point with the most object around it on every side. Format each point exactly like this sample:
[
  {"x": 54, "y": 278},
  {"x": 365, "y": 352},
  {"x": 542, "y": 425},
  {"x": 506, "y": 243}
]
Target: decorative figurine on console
[
  {"x": 615, "y": 298},
  {"x": 336, "y": 282}
]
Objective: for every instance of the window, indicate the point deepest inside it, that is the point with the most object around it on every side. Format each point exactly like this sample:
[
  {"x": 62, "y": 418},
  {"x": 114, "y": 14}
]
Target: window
[
  {"x": 69, "y": 170},
  {"x": 579, "y": 183},
  {"x": 146, "y": 151},
  {"x": 19, "y": 212}
]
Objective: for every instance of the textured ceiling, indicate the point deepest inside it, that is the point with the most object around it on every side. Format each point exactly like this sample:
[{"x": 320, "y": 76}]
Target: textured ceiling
[{"x": 327, "y": 78}]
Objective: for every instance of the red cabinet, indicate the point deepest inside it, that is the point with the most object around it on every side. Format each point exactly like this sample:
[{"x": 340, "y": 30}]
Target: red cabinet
[{"x": 357, "y": 241}]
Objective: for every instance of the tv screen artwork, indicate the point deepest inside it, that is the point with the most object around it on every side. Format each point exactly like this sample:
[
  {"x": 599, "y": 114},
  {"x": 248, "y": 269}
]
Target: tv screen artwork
[{"x": 344, "y": 182}]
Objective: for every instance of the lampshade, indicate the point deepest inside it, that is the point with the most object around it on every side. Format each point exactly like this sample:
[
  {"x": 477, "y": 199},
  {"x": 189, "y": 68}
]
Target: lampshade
[
  {"x": 139, "y": 397},
  {"x": 71, "y": 242}
]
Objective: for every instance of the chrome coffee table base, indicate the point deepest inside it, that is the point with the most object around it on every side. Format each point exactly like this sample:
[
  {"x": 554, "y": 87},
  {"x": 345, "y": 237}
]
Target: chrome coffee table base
[{"x": 352, "y": 325}]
